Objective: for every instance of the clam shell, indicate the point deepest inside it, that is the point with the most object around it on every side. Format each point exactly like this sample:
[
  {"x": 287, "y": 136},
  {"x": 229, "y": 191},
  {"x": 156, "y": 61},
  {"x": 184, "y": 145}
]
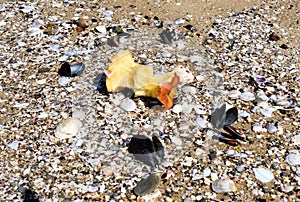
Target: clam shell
[
  {"x": 247, "y": 96},
  {"x": 147, "y": 185},
  {"x": 68, "y": 128},
  {"x": 293, "y": 159},
  {"x": 263, "y": 175},
  {"x": 223, "y": 186},
  {"x": 128, "y": 105}
]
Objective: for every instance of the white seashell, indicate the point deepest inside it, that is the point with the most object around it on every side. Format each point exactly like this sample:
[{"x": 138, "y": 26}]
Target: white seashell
[
  {"x": 296, "y": 139},
  {"x": 177, "y": 108},
  {"x": 234, "y": 94},
  {"x": 206, "y": 172},
  {"x": 287, "y": 188},
  {"x": 176, "y": 141},
  {"x": 247, "y": 96},
  {"x": 263, "y": 175},
  {"x": 63, "y": 81},
  {"x": 128, "y": 105},
  {"x": 258, "y": 129},
  {"x": 293, "y": 159},
  {"x": 201, "y": 122},
  {"x": 185, "y": 75},
  {"x": 13, "y": 145},
  {"x": 271, "y": 128},
  {"x": 68, "y": 128},
  {"x": 101, "y": 29},
  {"x": 223, "y": 186},
  {"x": 267, "y": 112}
]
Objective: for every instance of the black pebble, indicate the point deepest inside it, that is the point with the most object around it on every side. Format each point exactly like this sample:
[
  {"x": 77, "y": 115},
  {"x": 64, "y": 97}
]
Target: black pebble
[{"x": 65, "y": 70}]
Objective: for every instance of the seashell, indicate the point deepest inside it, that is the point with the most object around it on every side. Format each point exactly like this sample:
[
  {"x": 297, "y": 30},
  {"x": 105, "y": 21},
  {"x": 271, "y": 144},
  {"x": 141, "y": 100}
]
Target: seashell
[
  {"x": 223, "y": 186},
  {"x": 146, "y": 185},
  {"x": 296, "y": 139},
  {"x": 177, "y": 108},
  {"x": 287, "y": 188},
  {"x": 145, "y": 150},
  {"x": 232, "y": 133},
  {"x": 267, "y": 112},
  {"x": 234, "y": 94},
  {"x": 77, "y": 69},
  {"x": 231, "y": 116},
  {"x": 271, "y": 128},
  {"x": 101, "y": 84},
  {"x": 260, "y": 79},
  {"x": 71, "y": 71},
  {"x": 63, "y": 81},
  {"x": 218, "y": 117},
  {"x": 201, "y": 122},
  {"x": 263, "y": 175},
  {"x": 247, "y": 96},
  {"x": 293, "y": 159},
  {"x": 13, "y": 145},
  {"x": 68, "y": 128},
  {"x": 128, "y": 105},
  {"x": 166, "y": 37}
]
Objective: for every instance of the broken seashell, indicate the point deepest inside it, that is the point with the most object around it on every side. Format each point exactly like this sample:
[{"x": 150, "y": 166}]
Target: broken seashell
[
  {"x": 146, "y": 185},
  {"x": 223, "y": 186},
  {"x": 293, "y": 159},
  {"x": 68, "y": 128}
]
